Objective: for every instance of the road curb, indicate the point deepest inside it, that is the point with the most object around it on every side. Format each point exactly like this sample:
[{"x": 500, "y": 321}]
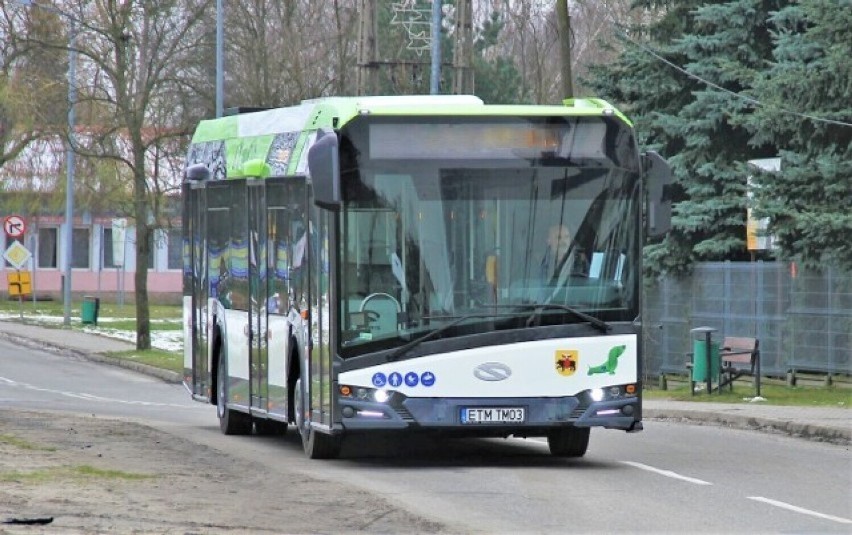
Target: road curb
[
  {"x": 159, "y": 373},
  {"x": 815, "y": 432},
  {"x": 809, "y": 431}
]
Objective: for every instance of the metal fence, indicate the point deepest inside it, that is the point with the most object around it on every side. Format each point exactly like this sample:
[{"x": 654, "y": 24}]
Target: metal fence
[{"x": 803, "y": 320}]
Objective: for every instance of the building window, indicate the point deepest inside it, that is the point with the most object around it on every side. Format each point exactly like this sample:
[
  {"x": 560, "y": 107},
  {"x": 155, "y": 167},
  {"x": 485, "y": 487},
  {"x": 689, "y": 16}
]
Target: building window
[
  {"x": 48, "y": 256},
  {"x": 152, "y": 247},
  {"x": 80, "y": 246},
  {"x": 175, "y": 248},
  {"x": 108, "y": 260}
]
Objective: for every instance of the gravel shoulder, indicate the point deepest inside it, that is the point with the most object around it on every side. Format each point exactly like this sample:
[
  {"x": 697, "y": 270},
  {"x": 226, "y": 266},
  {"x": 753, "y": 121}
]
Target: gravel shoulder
[{"x": 99, "y": 475}]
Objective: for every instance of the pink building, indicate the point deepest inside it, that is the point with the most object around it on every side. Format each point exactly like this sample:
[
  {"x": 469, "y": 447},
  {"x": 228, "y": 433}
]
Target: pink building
[
  {"x": 29, "y": 185},
  {"x": 98, "y": 266}
]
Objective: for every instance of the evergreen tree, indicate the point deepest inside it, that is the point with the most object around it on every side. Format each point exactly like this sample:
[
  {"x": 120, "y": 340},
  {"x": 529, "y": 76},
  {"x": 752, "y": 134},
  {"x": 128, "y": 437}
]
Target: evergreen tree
[
  {"x": 696, "y": 125},
  {"x": 807, "y": 202},
  {"x": 496, "y": 76}
]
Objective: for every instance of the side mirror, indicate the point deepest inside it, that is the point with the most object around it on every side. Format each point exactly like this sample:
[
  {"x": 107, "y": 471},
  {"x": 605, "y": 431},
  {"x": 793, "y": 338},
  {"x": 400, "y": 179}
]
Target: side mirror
[
  {"x": 324, "y": 168},
  {"x": 658, "y": 176},
  {"x": 197, "y": 172}
]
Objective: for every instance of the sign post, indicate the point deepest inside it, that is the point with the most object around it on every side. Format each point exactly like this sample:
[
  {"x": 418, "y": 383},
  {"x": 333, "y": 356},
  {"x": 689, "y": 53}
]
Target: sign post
[
  {"x": 19, "y": 282},
  {"x": 20, "y": 285}
]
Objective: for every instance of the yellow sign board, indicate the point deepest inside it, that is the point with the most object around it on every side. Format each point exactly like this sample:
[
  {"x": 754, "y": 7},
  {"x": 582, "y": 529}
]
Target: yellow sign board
[
  {"x": 19, "y": 283},
  {"x": 17, "y": 254}
]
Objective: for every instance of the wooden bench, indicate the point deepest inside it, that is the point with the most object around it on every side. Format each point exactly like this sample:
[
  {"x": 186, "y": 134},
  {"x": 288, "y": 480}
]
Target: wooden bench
[{"x": 739, "y": 356}]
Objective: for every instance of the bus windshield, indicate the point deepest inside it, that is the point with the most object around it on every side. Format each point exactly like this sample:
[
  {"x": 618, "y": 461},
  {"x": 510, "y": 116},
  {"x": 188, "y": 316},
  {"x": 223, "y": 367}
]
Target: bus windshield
[{"x": 465, "y": 225}]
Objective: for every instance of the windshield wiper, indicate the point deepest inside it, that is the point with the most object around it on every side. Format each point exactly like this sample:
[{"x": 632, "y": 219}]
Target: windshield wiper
[
  {"x": 403, "y": 349},
  {"x": 538, "y": 308}
]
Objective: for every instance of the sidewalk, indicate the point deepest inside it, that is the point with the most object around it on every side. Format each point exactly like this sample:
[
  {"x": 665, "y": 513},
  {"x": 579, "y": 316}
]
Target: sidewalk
[
  {"x": 78, "y": 344},
  {"x": 816, "y": 423}
]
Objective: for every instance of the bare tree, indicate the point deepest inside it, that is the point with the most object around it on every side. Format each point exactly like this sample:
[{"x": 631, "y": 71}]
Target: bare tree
[
  {"x": 279, "y": 53},
  {"x": 139, "y": 80},
  {"x": 533, "y": 40},
  {"x": 27, "y": 70}
]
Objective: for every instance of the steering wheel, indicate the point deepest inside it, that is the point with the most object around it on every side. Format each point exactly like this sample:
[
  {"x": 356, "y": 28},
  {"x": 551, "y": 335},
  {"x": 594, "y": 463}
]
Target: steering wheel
[{"x": 373, "y": 315}]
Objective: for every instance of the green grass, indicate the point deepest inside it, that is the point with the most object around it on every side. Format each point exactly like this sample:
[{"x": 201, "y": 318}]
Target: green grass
[
  {"x": 22, "y": 444},
  {"x": 78, "y": 473},
  {"x": 105, "y": 310},
  {"x": 158, "y": 358},
  {"x": 173, "y": 324},
  {"x": 812, "y": 396}
]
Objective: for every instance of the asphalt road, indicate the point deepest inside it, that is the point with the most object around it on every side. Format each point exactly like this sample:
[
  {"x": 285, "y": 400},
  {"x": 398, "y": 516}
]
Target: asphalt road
[{"x": 670, "y": 478}]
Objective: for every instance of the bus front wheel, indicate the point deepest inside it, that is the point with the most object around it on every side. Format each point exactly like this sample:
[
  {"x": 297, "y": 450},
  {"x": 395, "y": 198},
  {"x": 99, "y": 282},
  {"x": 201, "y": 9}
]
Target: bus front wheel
[
  {"x": 569, "y": 441},
  {"x": 316, "y": 445},
  {"x": 231, "y": 422}
]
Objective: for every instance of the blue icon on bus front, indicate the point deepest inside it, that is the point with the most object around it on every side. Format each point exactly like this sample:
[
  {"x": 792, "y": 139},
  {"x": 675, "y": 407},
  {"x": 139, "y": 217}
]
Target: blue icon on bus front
[
  {"x": 395, "y": 379},
  {"x": 427, "y": 379},
  {"x": 379, "y": 379},
  {"x": 411, "y": 379}
]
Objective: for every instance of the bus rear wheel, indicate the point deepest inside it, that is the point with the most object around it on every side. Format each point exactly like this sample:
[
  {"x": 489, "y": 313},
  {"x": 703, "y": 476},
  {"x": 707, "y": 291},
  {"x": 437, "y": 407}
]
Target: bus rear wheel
[
  {"x": 316, "y": 445},
  {"x": 231, "y": 422},
  {"x": 569, "y": 441}
]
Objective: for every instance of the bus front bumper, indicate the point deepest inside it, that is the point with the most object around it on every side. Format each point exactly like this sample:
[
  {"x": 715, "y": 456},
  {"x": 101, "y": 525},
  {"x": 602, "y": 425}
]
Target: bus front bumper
[{"x": 536, "y": 415}]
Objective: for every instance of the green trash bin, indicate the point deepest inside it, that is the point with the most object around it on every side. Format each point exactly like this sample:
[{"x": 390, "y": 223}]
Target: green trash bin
[
  {"x": 699, "y": 360},
  {"x": 89, "y": 310}
]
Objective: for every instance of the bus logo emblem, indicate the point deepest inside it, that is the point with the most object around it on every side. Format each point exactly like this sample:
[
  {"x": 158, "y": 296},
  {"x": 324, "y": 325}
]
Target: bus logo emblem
[
  {"x": 566, "y": 361},
  {"x": 492, "y": 371}
]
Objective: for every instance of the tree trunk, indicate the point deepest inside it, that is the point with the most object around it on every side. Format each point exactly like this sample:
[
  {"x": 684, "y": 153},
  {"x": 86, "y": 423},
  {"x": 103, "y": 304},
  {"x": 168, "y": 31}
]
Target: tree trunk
[
  {"x": 563, "y": 22},
  {"x": 143, "y": 253}
]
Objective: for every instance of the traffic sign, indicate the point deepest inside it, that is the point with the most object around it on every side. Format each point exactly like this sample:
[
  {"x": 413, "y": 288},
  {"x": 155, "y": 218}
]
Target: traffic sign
[
  {"x": 19, "y": 283},
  {"x": 17, "y": 255},
  {"x": 15, "y": 226}
]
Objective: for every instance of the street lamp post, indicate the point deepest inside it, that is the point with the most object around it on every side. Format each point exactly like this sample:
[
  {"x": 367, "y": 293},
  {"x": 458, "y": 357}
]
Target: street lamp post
[
  {"x": 220, "y": 37},
  {"x": 70, "y": 169},
  {"x": 69, "y": 153}
]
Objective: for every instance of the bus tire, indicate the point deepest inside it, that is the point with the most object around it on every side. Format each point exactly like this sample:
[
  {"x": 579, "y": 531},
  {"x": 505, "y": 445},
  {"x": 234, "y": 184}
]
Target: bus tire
[
  {"x": 316, "y": 445},
  {"x": 569, "y": 441},
  {"x": 231, "y": 422},
  {"x": 270, "y": 428}
]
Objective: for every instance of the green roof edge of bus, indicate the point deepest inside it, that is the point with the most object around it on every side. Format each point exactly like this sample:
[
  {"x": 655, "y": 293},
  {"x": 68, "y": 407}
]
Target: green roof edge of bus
[
  {"x": 336, "y": 112},
  {"x": 598, "y": 103}
]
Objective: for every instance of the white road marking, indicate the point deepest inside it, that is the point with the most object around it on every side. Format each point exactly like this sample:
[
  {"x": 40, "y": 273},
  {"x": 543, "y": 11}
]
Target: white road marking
[
  {"x": 667, "y": 473},
  {"x": 802, "y": 510},
  {"x": 92, "y": 397}
]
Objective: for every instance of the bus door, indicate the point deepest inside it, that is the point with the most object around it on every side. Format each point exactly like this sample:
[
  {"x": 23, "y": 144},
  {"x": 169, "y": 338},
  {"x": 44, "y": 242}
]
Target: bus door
[
  {"x": 321, "y": 372},
  {"x": 285, "y": 222},
  {"x": 195, "y": 283},
  {"x": 258, "y": 302}
]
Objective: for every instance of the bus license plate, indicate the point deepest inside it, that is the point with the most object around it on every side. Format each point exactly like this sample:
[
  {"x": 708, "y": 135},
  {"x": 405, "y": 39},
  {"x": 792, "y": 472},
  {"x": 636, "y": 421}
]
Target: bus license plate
[{"x": 492, "y": 415}]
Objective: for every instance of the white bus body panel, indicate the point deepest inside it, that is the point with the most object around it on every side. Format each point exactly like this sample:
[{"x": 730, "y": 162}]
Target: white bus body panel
[{"x": 543, "y": 368}]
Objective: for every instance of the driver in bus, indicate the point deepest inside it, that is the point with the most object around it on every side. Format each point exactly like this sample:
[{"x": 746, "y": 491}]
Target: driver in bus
[
  {"x": 558, "y": 244},
  {"x": 557, "y": 255}
]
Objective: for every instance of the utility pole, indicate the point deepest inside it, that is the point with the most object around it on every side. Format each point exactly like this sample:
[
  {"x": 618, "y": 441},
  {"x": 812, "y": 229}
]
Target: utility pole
[
  {"x": 220, "y": 59},
  {"x": 563, "y": 23},
  {"x": 463, "y": 51},
  {"x": 368, "y": 53},
  {"x": 435, "y": 79}
]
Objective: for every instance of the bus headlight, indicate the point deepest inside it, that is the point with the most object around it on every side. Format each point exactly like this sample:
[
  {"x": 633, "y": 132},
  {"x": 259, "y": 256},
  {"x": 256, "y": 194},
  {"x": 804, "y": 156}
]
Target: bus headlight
[
  {"x": 361, "y": 393},
  {"x": 596, "y": 394}
]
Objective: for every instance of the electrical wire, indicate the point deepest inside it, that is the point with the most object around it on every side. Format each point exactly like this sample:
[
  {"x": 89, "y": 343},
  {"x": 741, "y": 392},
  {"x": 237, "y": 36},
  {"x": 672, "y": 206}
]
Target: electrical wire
[{"x": 750, "y": 100}]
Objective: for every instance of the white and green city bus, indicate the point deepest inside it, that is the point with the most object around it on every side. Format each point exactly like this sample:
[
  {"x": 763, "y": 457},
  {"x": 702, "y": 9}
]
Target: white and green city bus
[{"x": 365, "y": 265}]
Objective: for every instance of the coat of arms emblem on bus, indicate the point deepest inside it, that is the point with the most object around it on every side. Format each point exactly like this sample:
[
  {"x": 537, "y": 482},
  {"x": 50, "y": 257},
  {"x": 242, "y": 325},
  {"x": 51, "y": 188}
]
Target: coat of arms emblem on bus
[
  {"x": 566, "y": 361},
  {"x": 611, "y": 362}
]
